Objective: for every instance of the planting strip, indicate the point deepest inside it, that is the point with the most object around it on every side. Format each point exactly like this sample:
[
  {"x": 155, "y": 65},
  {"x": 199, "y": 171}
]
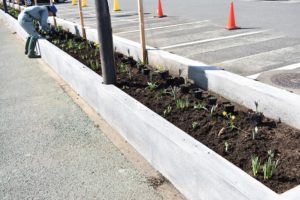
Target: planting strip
[
  {"x": 275, "y": 103},
  {"x": 197, "y": 171}
]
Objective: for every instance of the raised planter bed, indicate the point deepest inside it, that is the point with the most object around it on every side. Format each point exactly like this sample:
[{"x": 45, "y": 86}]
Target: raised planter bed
[{"x": 194, "y": 169}]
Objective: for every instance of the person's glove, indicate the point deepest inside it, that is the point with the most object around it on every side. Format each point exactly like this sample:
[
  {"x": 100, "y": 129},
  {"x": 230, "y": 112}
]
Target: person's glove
[{"x": 52, "y": 32}]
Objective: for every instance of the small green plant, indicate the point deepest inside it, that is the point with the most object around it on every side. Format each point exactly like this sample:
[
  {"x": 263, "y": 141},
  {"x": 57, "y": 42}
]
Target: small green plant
[
  {"x": 173, "y": 91},
  {"x": 159, "y": 68},
  {"x": 195, "y": 125},
  {"x": 182, "y": 103},
  {"x": 94, "y": 65},
  {"x": 97, "y": 51},
  {"x": 160, "y": 94},
  {"x": 129, "y": 72},
  {"x": 56, "y": 42},
  {"x": 123, "y": 67},
  {"x": 270, "y": 166},
  {"x": 59, "y": 28},
  {"x": 200, "y": 106},
  {"x": 140, "y": 62},
  {"x": 70, "y": 44},
  {"x": 80, "y": 46},
  {"x": 254, "y": 133},
  {"x": 124, "y": 87},
  {"x": 230, "y": 119},
  {"x": 167, "y": 110},
  {"x": 151, "y": 86},
  {"x": 213, "y": 109},
  {"x": 255, "y": 165},
  {"x": 226, "y": 146}
]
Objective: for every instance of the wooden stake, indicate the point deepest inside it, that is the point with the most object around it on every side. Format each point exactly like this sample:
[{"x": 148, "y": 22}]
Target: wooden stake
[
  {"x": 18, "y": 1},
  {"x": 81, "y": 19},
  {"x": 142, "y": 32}
]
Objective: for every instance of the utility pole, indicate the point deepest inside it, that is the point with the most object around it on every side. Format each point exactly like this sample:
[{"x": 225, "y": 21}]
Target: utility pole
[
  {"x": 142, "y": 31},
  {"x": 106, "y": 42},
  {"x": 5, "y": 6}
]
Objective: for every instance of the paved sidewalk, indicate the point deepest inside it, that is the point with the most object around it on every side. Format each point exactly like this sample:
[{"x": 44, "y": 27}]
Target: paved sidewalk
[{"x": 49, "y": 148}]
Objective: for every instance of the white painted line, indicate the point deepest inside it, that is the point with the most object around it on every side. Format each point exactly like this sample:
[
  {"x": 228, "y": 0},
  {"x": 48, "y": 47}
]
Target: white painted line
[
  {"x": 213, "y": 39},
  {"x": 162, "y": 27},
  {"x": 254, "y": 76},
  {"x": 128, "y": 19},
  {"x": 120, "y": 13},
  {"x": 288, "y": 67}
]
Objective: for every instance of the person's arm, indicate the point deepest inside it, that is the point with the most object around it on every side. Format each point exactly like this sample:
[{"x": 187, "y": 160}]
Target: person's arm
[{"x": 44, "y": 20}]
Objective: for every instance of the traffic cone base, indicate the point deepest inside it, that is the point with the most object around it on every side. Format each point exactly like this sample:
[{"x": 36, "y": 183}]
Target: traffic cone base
[
  {"x": 159, "y": 10},
  {"x": 160, "y": 16},
  {"x": 230, "y": 20},
  {"x": 116, "y": 6}
]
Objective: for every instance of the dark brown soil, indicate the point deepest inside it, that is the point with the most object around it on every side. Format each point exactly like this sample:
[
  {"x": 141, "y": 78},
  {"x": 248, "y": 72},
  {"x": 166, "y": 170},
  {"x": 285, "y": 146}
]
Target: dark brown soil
[
  {"x": 214, "y": 131},
  {"x": 210, "y": 128}
]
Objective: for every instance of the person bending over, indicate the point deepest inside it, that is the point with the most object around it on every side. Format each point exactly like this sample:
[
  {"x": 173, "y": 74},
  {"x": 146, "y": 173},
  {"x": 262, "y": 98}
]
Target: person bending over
[{"x": 26, "y": 20}]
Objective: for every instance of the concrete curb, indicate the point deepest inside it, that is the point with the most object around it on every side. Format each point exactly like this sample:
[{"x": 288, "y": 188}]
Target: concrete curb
[{"x": 197, "y": 171}]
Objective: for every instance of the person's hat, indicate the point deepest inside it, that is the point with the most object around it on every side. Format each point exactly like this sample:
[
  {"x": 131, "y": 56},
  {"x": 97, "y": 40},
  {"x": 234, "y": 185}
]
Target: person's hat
[{"x": 53, "y": 9}]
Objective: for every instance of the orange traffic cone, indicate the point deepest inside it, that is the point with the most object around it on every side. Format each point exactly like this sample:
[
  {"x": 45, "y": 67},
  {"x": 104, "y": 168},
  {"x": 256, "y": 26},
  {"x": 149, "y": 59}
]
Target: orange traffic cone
[
  {"x": 159, "y": 10},
  {"x": 230, "y": 21}
]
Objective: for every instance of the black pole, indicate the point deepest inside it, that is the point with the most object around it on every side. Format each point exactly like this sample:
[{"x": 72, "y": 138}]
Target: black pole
[
  {"x": 106, "y": 42},
  {"x": 5, "y": 6}
]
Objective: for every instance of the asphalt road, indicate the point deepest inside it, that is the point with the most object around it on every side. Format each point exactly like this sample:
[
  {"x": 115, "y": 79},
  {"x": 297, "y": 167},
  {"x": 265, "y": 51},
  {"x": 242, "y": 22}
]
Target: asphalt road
[
  {"x": 268, "y": 38},
  {"x": 280, "y": 16}
]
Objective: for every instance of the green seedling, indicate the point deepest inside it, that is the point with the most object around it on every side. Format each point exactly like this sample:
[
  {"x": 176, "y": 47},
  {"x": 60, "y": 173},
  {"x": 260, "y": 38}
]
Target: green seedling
[
  {"x": 94, "y": 65},
  {"x": 270, "y": 166},
  {"x": 182, "y": 103},
  {"x": 213, "y": 109},
  {"x": 226, "y": 146},
  {"x": 230, "y": 119},
  {"x": 70, "y": 44},
  {"x": 167, "y": 110},
  {"x": 159, "y": 68},
  {"x": 151, "y": 86},
  {"x": 80, "y": 46},
  {"x": 200, "y": 106},
  {"x": 58, "y": 28},
  {"x": 195, "y": 125},
  {"x": 173, "y": 91},
  {"x": 123, "y": 67},
  {"x": 140, "y": 62},
  {"x": 97, "y": 51},
  {"x": 254, "y": 133},
  {"x": 255, "y": 164},
  {"x": 160, "y": 94}
]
